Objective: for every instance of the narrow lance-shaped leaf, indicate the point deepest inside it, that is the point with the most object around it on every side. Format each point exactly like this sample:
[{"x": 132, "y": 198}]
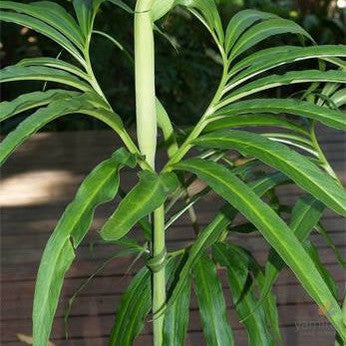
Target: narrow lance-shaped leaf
[
  {"x": 52, "y": 14},
  {"x": 269, "y": 58},
  {"x": 237, "y": 264},
  {"x": 100, "y": 186},
  {"x": 150, "y": 192},
  {"x": 42, "y": 28},
  {"x": 177, "y": 316},
  {"x": 213, "y": 231},
  {"x": 41, "y": 73},
  {"x": 264, "y": 30},
  {"x": 253, "y": 120},
  {"x": 271, "y": 226},
  {"x": 305, "y": 215},
  {"x": 240, "y": 22},
  {"x": 40, "y": 118},
  {"x": 134, "y": 306},
  {"x": 288, "y": 78},
  {"x": 211, "y": 303},
  {"x": 296, "y": 166},
  {"x": 329, "y": 117},
  {"x": 35, "y": 99}
]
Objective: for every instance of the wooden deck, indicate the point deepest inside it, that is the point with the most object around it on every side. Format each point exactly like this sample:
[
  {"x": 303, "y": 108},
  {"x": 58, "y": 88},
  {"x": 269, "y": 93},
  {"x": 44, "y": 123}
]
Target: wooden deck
[{"x": 38, "y": 182}]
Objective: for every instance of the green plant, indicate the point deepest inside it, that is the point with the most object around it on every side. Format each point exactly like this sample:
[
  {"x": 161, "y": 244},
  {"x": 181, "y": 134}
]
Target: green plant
[{"x": 292, "y": 152}]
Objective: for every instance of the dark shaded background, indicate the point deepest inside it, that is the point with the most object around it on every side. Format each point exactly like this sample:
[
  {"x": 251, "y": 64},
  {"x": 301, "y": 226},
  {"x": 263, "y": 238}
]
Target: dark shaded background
[{"x": 186, "y": 75}]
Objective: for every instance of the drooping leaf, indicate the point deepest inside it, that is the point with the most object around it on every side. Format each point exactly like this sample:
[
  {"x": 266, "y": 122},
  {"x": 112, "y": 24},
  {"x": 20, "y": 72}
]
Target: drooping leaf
[
  {"x": 52, "y": 14},
  {"x": 329, "y": 117},
  {"x": 273, "y": 81},
  {"x": 305, "y": 215},
  {"x": 32, "y": 100},
  {"x": 151, "y": 192},
  {"x": 177, "y": 316},
  {"x": 55, "y": 63},
  {"x": 213, "y": 231},
  {"x": 211, "y": 302},
  {"x": 237, "y": 264},
  {"x": 271, "y": 226},
  {"x": 160, "y": 8},
  {"x": 134, "y": 306},
  {"x": 252, "y": 120},
  {"x": 42, "y": 28},
  {"x": 41, "y": 73},
  {"x": 264, "y": 30},
  {"x": 122, "y": 5},
  {"x": 269, "y": 58},
  {"x": 41, "y": 117},
  {"x": 240, "y": 22},
  {"x": 100, "y": 186},
  {"x": 296, "y": 166}
]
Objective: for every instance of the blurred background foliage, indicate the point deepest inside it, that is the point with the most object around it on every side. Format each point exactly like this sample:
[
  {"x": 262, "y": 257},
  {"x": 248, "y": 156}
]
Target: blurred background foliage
[{"x": 188, "y": 69}]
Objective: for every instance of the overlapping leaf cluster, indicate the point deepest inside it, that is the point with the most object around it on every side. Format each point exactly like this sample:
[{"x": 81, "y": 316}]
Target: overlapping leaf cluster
[{"x": 288, "y": 145}]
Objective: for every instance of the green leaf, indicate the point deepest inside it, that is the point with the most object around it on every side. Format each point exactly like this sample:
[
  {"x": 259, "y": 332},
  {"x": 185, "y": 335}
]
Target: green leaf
[
  {"x": 55, "y": 63},
  {"x": 206, "y": 11},
  {"x": 269, "y": 58},
  {"x": 177, "y": 316},
  {"x": 240, "y": 22},
  {"x": 296, "y": 166},
  {"x": 32, "y": 100},
  {"x": 339, "y": 97},
  {"x": 79, "y": 104},
  {"x": 273, "y": 229},
  {"x": 100, "y": 186},
  {"x": 21, "y": 73},
  {"x": 274, "y": 81},
  {"x": 85, "y": 11},
  {"x": 122, "y": 5},
  {"x": 160, "y": 8},
  {"x": 253, "y": 120},
  {"x": 329, "y": 117},
  {"x": 328, "y": 278},
  {"x": 42, "y": 28},
  {"x": 238, "y": 264},
  {"x": 52, "y": 14},
  {"x": 305, "y": 215},
  {"x": 150, "y": 193},
  {"x": 211, "y": 302},
  {"x": 264, "y": 30},
  {"x": 213, "y": 231},
  {"x": 132, "y": 310}
]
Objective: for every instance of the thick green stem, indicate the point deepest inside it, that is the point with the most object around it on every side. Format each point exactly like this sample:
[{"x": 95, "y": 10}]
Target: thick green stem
[{"x": 147, "y": 138}]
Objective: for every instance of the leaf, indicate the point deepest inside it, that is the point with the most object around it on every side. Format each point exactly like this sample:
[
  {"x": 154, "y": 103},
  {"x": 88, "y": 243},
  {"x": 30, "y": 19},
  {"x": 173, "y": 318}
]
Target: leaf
[
  {"x": 328, "y": 278},
  {"x": 212, "y": 232},
  {"x": 80, "y": 104},
  {"x": 339, "y": 97},
  {"x": 54, "y": 63},
  {"x": 305, "y": 215},
  {"x": 237, "y": 264},
  {"x": 271, "y": 226},
  {"x": 20, "y": 73},
  {"x": 177, "y": 316},
  {"x": 85, "y": 12},
  {"x": 264, "y": 30},
  {"x": 240, "y": 22},
  {"x": 32, "y": 100},
  {"x": 134, "y": 306},
  {"x": 42, "y": 28},
  {"x": 150, "y": 193},
  {"x": 296, "y": 166},
  {"x": 100, "y": 186},
  {"x": 52, "y": 14},
  {"x": 269, "y": 58},
  {"x": 329, "y": 117},
  {"x": 211, "y": 302},
  {"x": 206, "y": 11},
  {"x": 160, "y": 8},
  {"x": 274, "y": 81},
  {"x": 252, "y": 120},
  {"x": 122, "y": 5}
]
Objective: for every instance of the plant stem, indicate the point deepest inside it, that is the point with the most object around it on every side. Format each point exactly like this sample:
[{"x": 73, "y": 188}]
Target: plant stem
[{"x": 147, "y": 138}]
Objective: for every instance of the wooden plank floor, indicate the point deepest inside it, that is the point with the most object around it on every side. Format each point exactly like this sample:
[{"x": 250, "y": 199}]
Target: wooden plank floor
[{"x": 38, "y": 182}]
